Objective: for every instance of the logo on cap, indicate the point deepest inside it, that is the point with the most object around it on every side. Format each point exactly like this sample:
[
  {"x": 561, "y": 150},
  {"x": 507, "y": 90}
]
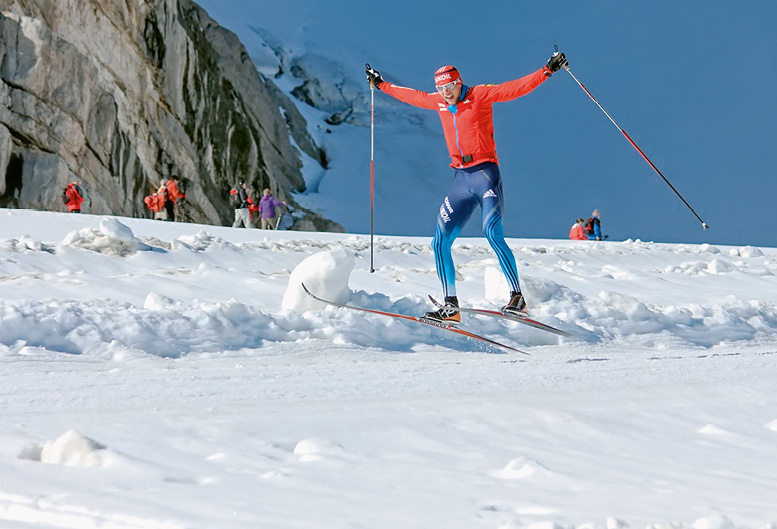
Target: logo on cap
[{"x": 445, "y": 75}]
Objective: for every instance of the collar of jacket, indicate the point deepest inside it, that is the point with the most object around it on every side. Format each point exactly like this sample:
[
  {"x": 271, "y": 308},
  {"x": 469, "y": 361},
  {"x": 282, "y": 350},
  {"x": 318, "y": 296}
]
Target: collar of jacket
[{"x": 464, "y": 89}]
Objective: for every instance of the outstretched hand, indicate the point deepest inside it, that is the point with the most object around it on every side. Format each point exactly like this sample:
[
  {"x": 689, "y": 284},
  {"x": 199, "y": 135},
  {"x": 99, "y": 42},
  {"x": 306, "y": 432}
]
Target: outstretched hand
[
  {"x": 373, "y": 76},
  {"x": 557, "y": 61}
]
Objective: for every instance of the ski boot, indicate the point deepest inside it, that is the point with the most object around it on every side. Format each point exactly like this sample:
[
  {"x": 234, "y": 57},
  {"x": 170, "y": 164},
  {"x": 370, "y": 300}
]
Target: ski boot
[
  {"x": 444, "y": 314},
  {"x": 516, "y": 306}
]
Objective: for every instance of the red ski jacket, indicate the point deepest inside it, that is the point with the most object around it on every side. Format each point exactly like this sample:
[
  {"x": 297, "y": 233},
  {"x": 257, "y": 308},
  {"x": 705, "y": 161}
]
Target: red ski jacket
[
  {"x": 468, "y": 126},
  {"x": 576, "y": 232},
  {"x": 74, "y": 198},
  {"x": 172, "y": 191}
]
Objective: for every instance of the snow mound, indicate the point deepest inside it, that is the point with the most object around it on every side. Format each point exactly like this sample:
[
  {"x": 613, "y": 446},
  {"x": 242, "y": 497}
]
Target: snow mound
[
  {"x": 314, "y": 449},
  {"x": 22, "y": 244},
  {"x": 719, "y": 266},
  {"x": 70, "y": 449},
  {"x": 112, "y": 238},
  {"x": 522, "y": 468},
  {"x": 325, "y": 274},
  {"x": 202, "y": 241},
  {"x": 749, "y": 252},
  {"x": 156, "y": 301},
  {"x": 717, "y": 521},
  {"x": 495, "y": 284},
  {"x": 616, "y": 523},
  {"x": 711, "y": 429}
]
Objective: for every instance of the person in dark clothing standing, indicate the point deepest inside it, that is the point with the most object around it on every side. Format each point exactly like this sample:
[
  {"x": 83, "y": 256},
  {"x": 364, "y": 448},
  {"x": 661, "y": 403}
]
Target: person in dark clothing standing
[{"x": 239, "y": 199}]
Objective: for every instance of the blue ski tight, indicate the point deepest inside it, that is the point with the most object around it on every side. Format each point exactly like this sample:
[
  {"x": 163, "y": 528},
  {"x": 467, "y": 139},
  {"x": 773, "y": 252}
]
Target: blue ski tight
[{"x": 480, "y": 185}]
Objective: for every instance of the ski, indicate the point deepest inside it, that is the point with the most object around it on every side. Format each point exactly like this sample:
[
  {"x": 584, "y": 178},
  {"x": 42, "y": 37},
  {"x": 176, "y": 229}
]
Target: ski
[
  {"x": 520, "y": 319},
  {"x": 425, "y": 321}
]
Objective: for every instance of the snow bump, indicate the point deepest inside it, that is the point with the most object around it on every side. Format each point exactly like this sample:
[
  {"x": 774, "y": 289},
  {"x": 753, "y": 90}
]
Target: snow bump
[{"x": 71, "y": 449}]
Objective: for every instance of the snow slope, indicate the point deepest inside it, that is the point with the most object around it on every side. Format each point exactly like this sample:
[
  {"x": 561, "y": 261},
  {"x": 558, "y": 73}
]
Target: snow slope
[{"x": 160, "y": 375}]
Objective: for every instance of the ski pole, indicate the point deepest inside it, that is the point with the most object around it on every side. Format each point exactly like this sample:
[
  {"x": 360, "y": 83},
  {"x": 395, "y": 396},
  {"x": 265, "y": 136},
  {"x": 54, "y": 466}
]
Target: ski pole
[
  {"x": 372, "y": 174},
  {"x": 703, "y": 224}
]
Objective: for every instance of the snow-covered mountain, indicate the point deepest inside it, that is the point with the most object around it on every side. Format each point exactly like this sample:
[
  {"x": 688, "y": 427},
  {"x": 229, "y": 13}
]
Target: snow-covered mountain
[{"x": 168, "y": 375}]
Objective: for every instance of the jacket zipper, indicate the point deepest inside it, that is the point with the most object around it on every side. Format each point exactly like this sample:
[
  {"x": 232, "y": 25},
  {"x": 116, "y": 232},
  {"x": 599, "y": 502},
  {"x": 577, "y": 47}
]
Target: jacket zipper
[{"x": 453, "y": 109}]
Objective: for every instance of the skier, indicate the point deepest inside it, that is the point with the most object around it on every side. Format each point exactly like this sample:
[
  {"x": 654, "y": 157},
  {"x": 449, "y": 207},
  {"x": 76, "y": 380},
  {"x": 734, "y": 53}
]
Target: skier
[{"x": 467, "y": 121}]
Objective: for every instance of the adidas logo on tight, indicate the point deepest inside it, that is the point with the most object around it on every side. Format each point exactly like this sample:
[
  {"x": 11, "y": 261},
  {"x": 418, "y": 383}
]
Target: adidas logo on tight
[{"x": 489, "y": 194}]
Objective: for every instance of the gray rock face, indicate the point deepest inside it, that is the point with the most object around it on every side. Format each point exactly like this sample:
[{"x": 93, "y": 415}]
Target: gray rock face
[{"x": 123, "y": 95}]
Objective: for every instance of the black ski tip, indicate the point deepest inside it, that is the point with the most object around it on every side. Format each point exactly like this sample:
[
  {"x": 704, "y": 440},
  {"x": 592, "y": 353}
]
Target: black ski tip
[{"x": 309, "y": 293}]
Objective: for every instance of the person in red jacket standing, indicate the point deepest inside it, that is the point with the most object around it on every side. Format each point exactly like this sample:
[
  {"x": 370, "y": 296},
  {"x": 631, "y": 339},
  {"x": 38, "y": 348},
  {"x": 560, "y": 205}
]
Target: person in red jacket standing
[
  {"x": 173, "y": 196},
  {"x": 156, "y": 202},
  {"x": 73, "y": 197},
  {"x": 467, "y": 121}
]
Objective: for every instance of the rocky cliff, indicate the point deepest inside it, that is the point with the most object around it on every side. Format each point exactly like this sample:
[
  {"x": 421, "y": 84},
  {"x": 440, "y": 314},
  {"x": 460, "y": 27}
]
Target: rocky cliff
[{"x": 122, "y": 95}]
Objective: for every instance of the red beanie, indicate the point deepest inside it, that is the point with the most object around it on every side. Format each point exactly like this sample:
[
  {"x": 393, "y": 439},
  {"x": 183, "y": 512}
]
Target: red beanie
[{"x": 445, "y": 75}]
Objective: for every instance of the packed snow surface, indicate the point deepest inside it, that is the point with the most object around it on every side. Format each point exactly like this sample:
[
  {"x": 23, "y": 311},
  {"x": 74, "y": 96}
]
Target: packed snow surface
[{"x": 162, "y": 375}]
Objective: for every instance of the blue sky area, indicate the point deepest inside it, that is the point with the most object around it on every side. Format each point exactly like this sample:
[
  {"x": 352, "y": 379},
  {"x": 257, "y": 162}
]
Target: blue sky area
[{"x": 692, "y": 82}]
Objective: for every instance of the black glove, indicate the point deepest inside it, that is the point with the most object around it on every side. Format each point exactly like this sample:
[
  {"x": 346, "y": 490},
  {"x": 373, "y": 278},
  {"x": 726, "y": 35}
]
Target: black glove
[
  {"x": 556, "y": 62},
  {"x": 373, "y": 76}
]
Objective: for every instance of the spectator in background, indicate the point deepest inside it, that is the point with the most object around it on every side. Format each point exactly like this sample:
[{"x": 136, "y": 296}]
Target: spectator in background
[
  {"x": 576, "y": 232},
  {"x": 173, "y": 196},
  {"x": 82, "y": 191},
  {"x": 253, "y": 210},
  {"x": 156, "y": 203},
  {"x": 239, "y": 199},
  {"x": 593, "y": 227},
  {"x": 73, "y": 197},
  {"x": 267, "y": 207}
]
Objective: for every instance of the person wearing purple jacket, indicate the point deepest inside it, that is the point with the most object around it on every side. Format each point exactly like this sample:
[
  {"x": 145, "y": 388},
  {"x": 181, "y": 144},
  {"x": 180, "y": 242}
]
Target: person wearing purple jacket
[{"x": 267, "y": 206}]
